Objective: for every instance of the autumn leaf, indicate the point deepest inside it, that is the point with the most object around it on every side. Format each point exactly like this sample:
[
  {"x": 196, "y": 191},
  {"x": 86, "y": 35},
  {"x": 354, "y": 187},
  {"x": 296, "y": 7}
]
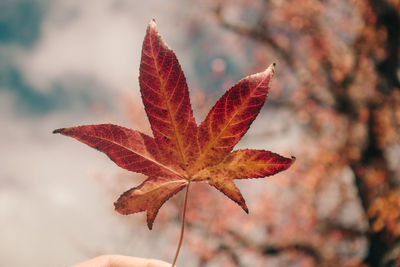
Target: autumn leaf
[{"x": 180, "y": 152}]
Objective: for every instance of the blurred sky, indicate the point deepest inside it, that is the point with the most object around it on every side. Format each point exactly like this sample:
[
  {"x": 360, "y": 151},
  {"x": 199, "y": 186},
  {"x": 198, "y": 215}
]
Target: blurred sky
[{"x": 66, "y": 63}]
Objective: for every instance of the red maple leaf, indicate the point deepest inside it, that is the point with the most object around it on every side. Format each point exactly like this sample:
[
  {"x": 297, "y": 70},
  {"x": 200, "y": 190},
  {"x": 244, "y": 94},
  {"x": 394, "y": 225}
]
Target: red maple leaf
[{"x": 180, "y": 151}]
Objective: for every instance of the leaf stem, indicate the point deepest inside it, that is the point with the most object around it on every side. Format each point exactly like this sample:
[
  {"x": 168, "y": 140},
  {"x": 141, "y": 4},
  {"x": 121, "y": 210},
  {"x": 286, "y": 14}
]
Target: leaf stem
[{"x": 182, "y": 225}]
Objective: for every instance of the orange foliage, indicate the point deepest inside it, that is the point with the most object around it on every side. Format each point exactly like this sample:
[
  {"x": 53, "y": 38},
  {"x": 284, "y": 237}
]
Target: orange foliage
[{"x": 386, "y": 212}]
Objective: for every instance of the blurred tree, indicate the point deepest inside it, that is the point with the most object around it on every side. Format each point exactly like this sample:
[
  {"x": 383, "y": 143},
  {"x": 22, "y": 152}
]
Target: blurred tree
[{"x": 337, "y": 87}]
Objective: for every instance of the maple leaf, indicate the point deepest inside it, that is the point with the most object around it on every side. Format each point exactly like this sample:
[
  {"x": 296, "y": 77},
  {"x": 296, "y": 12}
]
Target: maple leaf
[{"x": 180, "y": 151}]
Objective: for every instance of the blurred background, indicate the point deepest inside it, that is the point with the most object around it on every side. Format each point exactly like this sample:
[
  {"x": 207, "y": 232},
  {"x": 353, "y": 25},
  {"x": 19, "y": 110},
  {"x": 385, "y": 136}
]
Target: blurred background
[{"x": 334, "y": 104}]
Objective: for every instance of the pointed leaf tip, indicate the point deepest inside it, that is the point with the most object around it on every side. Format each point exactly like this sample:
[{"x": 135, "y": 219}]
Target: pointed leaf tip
[
  {"x": 267, "y": 74},
  {"x": 293, "y": 160},
  {"x": 150, "y": 217},
  {"x": 150, "y": 225},
  {"x": 153, "y": 24},
  {"x": 58, "y": 130},
  {"x": 271, "y": 68},
  {"x": 245, "y": 208}
]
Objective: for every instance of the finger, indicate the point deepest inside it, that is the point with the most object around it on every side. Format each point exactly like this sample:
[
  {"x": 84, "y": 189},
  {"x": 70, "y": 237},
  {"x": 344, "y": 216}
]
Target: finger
[
  {"x": 121, "y": 261},
  {"x": 125, "y": 261}
]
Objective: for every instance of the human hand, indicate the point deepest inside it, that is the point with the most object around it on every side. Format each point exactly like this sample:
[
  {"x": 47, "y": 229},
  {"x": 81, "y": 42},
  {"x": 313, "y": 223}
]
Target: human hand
[{"x": 121, "y": 261}]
